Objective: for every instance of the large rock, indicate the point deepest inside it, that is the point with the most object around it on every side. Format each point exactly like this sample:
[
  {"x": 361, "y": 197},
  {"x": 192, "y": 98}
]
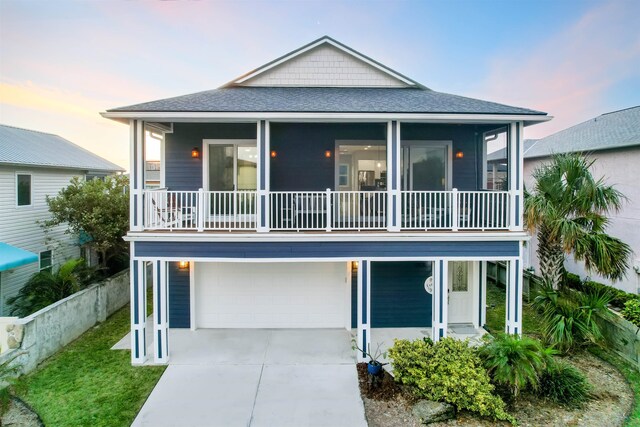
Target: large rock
[{"x": 431, "y": 412}]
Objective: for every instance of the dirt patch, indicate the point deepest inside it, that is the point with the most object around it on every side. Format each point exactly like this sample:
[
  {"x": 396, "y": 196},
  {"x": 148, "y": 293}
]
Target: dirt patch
[
  {"x": 389, "y": 405},
  {"x": 20, "y": 414}
]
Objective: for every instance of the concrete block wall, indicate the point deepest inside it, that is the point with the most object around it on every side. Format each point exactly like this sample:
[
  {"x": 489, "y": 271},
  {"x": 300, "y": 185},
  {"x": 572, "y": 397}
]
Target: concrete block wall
[{"x": 45, "y": 332}]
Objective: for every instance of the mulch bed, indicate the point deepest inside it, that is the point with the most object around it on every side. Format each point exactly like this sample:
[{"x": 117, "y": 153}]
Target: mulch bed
[{"x": 387, "y": 404}]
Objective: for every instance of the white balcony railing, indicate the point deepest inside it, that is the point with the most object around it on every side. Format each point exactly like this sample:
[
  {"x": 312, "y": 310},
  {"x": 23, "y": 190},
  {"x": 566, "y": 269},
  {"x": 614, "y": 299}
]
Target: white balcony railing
[{"x": 325, "y": 210}]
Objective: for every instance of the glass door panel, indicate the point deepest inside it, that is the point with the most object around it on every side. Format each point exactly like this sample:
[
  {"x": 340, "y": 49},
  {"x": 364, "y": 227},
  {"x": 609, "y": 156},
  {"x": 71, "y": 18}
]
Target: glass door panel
[
  {"x": 247, "y": 177},
  {"x": 424, "y": 168},
  {"x": 221, "y": 167}
]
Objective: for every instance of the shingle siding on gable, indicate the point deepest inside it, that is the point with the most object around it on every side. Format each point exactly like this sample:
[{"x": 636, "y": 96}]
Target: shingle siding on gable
[{"x": 324, "y": 66}]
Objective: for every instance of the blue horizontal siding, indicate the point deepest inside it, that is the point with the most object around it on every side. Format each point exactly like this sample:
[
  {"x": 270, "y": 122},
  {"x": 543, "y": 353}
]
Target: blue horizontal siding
[
  {"x": 179, "y": 298},
  {"x": 300, "y": 250}
]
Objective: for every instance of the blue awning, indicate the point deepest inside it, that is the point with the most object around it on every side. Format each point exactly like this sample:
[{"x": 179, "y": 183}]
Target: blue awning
[{"x": 12, "y": 257}]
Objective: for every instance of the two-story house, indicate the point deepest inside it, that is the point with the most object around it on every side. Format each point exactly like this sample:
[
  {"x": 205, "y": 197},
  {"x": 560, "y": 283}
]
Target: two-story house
[
  {"x": 322, "y": 164},
  {"x": 34, "y": 165}
]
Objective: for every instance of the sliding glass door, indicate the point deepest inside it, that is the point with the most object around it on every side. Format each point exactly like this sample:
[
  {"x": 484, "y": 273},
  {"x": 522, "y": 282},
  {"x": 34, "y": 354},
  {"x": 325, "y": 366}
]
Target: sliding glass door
[{"x": 425, "y": 166}]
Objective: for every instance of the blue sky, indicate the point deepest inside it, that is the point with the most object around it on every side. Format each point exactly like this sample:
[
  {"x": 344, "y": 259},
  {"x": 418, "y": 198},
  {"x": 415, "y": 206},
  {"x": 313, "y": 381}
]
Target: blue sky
[{"x": 62, "y": 62}]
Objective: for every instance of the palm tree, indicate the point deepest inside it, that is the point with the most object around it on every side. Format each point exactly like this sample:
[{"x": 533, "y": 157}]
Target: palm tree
[{"x": 568, "y": 209}]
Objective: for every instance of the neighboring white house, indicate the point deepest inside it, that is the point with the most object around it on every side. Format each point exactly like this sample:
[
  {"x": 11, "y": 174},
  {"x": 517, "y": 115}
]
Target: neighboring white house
[
  {"x": 34, "y": 165},
  {"x": 613, "y": 141}
]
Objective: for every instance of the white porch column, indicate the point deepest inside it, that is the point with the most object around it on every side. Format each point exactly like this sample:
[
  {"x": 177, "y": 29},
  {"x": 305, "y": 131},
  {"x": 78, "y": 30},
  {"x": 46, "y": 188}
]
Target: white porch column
[
  {"x": 136, "y": 174},
  {"x": 160, "y": 313},
  {"x": 440, "y": 299},
  {"x": 138, "y": 311},
  {"x": 394, "y": 159},
  {"x": 482, "y": 314},
  {"x": 513, "y": 324},
  {"x": 364, "y": 306},
  {"x": 515, "y": 178},
  {"x": 264, "y": 156}
]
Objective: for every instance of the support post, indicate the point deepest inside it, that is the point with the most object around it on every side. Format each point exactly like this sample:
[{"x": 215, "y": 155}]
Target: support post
[
  {"x": 329, "y": 209},
  {"x": 200, "y": 210},
  {"x": 262, "y": 204},
  {"x": 394, "y": 160},
  {"x": 364, "y": 307},
  {"x": 160, "y": 313},
  {"x": 515, "y": 175},
  {"x": 455, "y": 210},
  {"x": 136, "y": 167},
  {"x": 440, "y": 300},
  {"x": 513, "y": 324},
  {"x": 482, "y": 315},
  {"x": 138, "y": 311}
]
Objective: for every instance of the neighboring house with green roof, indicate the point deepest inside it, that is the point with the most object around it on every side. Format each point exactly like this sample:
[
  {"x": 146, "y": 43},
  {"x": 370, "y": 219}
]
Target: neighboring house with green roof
[
  {"x": 613, "y": 141},
  {"x": 34, "y": 165}
]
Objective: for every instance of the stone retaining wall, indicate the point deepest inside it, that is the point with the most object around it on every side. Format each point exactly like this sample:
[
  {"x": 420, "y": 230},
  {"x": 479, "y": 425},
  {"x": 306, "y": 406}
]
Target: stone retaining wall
[{"x": 40, "y": 335}]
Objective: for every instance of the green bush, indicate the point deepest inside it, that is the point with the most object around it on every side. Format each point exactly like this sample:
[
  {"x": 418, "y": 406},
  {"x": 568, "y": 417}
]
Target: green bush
[
  {"x": 618, "y": 297},
  {"x": 564, "y": 384},
  {"x": 515, "y": 362},
  {"x": 631, "y": 311},
  {"x": 450, "y": 371},
  {"x": 569, "y": 317}
]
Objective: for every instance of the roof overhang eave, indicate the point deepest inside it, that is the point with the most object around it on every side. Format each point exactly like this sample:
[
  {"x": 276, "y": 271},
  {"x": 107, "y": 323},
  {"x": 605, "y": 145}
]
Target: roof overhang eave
[{"x": 205, "y": 116}]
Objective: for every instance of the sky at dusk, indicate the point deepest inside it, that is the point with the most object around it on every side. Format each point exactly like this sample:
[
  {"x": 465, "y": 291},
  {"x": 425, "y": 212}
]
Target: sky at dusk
[{"x": 63, "y": 62}]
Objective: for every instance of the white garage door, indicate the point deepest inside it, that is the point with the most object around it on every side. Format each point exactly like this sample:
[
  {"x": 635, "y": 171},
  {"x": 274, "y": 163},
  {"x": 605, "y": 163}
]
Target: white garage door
[{"x": 272, "y": 295}]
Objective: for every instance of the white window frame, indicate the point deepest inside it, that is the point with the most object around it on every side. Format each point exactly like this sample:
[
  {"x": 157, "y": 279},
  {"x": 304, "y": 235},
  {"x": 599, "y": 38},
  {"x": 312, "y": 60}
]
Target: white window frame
[
  {"x": 30, "y": 189},
  {"x": 236, "y": 143},
  {"x": 50, "y": 266},
  {"x": 447, "y": 144}
]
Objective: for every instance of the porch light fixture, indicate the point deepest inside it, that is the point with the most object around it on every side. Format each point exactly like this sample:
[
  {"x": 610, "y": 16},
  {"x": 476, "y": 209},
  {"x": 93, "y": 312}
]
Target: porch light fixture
[
  {"x": 274, "y": 154},
  {"x": 195, "y": 153},
  {"x": 327, "y": 154},
  {"x": 459, "y": 154},
  {"x": 183, "y": 265},
  {"x": 354, "y": 265}
]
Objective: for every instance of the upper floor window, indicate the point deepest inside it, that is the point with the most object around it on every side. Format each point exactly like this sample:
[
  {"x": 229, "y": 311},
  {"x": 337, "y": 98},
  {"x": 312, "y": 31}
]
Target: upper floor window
[
  {"x": 23, "y": 189},
  {"x": 46, "y": 260}
]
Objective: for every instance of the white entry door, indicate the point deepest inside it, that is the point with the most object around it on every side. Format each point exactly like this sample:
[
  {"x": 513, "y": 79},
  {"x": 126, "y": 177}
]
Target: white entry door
[
  {"x": 271, "y": 295},
  {"x": 461, "y": 291}
]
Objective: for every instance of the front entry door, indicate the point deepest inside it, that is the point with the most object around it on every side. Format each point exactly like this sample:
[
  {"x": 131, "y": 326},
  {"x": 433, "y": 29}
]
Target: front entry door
[{"x": 461, "y": 291}]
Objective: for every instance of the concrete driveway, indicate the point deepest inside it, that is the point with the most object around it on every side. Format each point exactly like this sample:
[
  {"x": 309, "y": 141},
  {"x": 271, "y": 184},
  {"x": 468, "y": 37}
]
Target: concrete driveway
[{"x": 257, "y": 377}]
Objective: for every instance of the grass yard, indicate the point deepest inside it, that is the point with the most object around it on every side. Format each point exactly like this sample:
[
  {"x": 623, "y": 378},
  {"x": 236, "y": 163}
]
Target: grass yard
[
  {"x": 496, "y": 312},
  {"x": 87, "y": 384}
]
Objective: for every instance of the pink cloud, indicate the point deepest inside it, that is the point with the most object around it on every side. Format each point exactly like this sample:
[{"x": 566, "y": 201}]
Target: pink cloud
[{"x": 569, "y": 73}]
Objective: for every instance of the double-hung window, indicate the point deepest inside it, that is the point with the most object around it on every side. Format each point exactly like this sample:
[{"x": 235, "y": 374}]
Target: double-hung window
[{"x": 23, "y": 189}]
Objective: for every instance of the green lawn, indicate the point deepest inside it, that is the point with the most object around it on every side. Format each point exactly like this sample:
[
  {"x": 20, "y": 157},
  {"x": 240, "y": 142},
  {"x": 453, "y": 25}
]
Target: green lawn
[
  {"x": 87, "y": 384},
  {"x": 496, "y": 312}
]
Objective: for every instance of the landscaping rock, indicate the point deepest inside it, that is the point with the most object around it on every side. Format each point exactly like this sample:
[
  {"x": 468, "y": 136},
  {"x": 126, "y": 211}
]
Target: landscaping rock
[{"x": 431, "y": 412}]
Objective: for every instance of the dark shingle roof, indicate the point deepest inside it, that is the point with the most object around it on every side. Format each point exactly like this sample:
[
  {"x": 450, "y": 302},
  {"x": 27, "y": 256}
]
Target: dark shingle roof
[
  {"x": 616, "y": 129},
  {"x": 501, "y": 154},
  {"x": 325, "y": 99},
  {"x": 30, "y": 147}
]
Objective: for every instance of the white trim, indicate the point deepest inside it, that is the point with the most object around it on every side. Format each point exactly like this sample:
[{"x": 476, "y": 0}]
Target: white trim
[
  {"x": 332, "y": 259},
  {"x": 463, "y": 236},
  {"x": 30, "y": 205},
  {"x": 140, "y": 148},
  {"x": 336, "y": 155},
  {"x": 163, "y": 162},
  {"x": 303, "y": 116},
  {"x": 192, "y": 295},
  {"x": 236, "y": 143},
  {"x": 483, "y": 288},
  {"x": 320, "y": 42},
  {"x": 132, "y": 168}
]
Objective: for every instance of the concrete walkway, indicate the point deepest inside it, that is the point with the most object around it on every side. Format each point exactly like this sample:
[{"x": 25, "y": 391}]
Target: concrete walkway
[{"x": 257, "y": 377}]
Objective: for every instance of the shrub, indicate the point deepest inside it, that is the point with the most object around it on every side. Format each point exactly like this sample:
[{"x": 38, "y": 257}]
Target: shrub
[
  {"x": 618, "y": 297},
  {"x": 569, "y": 317},
  {"x": 45, "y": 288},
  {"x": 515, "y": 362},
  {"x": 450, "y": 371},
  {"x": 631, "y": 311},
  {"x": 564, "y": 384}
]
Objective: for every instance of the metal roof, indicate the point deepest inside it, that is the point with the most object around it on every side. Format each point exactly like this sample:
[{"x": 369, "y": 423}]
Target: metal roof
[
  {"x": 325, "y": 99},
  {"x": 616, "y": 129},
  {"x": 12, "y": 257},
  {"x": 29, "y": 147}
]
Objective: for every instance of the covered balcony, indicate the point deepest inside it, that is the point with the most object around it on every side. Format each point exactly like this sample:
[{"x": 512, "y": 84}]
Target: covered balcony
[{"x": 328, "y": 177}]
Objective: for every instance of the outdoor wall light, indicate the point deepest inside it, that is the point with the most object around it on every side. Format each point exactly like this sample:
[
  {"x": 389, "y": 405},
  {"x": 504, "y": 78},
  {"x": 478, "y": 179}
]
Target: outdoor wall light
[
  {"x": 459, "y": 154},
  {"x": 274, "y": 154},
  {"x": 195, "y": 152},
  {"x": 354, "y": 265},
  {"x": 183, "y": 265},
  {"x": 327, "y": 154}
]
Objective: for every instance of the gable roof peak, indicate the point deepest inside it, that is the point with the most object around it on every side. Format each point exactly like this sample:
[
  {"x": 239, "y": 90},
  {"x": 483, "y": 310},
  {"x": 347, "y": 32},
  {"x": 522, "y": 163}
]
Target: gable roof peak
[{"x": 275, "y": 72}]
